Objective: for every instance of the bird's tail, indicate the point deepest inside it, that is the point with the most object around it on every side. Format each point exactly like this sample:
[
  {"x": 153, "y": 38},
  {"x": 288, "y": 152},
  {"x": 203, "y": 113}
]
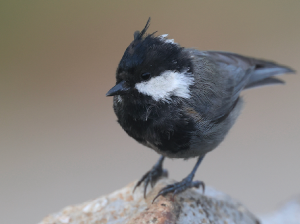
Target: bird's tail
[{"x": 264, "y": 72}]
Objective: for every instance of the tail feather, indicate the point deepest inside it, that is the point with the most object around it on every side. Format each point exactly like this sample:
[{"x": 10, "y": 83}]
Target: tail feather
[
  {"x": 263, "y": 72},
  {"x": 265, "y": 82}
]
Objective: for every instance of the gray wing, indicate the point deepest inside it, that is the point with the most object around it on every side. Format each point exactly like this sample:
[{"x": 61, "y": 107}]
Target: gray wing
[{"x": 221, "y": 76}]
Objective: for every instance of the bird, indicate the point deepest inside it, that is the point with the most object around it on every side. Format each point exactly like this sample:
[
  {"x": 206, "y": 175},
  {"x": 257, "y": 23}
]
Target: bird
[{"x": 181, "y": 102}]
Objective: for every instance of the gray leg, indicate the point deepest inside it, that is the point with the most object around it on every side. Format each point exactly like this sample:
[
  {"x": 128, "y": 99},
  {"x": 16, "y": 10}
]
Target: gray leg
[{"x": 152, "y": 175}]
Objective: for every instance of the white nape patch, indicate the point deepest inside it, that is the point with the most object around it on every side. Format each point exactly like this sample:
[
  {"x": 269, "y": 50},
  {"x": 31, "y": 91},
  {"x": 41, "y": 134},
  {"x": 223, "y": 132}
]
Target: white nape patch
[
  {"x": 164, "y": 36},
  {"x": 168, "y": 84},
  {"x": 164, "y": 39}
]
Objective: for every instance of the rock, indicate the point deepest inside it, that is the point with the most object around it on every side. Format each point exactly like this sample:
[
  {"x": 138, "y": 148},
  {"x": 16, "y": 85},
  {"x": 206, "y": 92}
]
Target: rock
[{"x": 189, "y": 207}]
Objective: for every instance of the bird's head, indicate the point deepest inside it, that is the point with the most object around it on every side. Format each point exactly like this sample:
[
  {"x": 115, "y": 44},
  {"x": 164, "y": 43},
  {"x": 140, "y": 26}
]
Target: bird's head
[{"x": 153, "y": 66}]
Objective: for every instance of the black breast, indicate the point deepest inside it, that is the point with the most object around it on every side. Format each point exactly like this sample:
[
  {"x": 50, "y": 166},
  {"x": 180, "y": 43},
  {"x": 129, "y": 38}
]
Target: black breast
[{"x": 165, "y": 127}]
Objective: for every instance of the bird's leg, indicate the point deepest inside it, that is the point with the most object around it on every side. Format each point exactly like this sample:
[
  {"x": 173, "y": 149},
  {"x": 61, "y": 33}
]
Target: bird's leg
[
  {"x": 152, "y": 175},
  {"x": 184, "y": 184}
]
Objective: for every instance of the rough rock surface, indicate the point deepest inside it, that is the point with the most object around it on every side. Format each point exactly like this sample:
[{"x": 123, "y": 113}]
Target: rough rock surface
[{"x": 189, "y": 207}]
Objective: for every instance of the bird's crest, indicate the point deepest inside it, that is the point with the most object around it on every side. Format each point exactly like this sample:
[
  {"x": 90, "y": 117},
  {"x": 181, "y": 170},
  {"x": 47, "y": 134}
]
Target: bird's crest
[{"x": 139, "y": 35}]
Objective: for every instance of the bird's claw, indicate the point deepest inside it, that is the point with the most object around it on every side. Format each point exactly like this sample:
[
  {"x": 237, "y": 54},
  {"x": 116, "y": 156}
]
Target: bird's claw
[
  {"x": 151, "y": 177},
  {"x": 179, "y": 187}
]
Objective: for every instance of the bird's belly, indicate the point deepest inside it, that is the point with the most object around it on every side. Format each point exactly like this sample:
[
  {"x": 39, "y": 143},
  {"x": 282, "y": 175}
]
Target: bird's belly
[
  {"x": 191, "y": 151},
  {"x": 171, "y": 141},
  {"x": 172, "y": 133}
]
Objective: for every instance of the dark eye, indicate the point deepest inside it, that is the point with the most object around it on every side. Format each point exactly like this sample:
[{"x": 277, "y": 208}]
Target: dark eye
[{"x": 145, "y": 76}]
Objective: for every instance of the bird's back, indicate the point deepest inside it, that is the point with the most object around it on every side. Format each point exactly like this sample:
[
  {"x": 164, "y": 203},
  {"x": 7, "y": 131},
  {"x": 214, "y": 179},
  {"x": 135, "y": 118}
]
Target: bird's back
[{"x": 216, "y": 103}]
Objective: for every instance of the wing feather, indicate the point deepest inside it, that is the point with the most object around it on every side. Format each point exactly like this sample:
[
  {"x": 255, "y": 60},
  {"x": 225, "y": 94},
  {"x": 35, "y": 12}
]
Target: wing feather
[{"x": 223, "y": 75}]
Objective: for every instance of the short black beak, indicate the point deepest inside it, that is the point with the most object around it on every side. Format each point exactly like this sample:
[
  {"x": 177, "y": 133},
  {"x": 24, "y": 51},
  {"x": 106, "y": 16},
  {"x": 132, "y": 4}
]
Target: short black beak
[{"x": 118, "y": 89}]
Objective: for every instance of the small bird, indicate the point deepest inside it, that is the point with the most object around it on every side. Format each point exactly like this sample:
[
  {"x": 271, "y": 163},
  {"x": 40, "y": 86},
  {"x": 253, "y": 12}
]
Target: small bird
[{"x": 182, "y": 102}]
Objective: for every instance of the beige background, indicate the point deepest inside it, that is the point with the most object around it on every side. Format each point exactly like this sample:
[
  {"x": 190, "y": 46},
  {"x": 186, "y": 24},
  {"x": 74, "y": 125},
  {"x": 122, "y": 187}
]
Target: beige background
[{"x": 59, "y": 140}]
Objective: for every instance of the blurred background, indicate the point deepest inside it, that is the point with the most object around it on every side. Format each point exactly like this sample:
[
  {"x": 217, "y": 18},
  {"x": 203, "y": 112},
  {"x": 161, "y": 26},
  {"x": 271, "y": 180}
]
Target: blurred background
[{"x": 60, "y": 143}]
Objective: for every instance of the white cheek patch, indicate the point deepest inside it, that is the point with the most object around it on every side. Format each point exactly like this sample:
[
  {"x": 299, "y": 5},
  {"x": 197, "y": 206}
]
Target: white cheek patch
[{"x": 168, "y": 84}]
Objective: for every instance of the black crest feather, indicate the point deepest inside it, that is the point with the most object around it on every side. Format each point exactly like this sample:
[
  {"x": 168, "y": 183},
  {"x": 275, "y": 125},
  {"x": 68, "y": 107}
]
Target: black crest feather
[
  {"x": 148, "y": 49},
  {"x": 139, "y": 35}
]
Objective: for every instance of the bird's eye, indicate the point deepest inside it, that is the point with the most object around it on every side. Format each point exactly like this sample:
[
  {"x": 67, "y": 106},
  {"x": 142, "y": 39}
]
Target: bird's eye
[{"x": 145, "y": 76}]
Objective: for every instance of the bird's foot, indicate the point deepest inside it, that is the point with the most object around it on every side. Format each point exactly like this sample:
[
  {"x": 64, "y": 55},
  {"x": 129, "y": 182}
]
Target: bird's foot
[
  {"x": 152, "y": 176},
  {"x": 180, "y": 187}
]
